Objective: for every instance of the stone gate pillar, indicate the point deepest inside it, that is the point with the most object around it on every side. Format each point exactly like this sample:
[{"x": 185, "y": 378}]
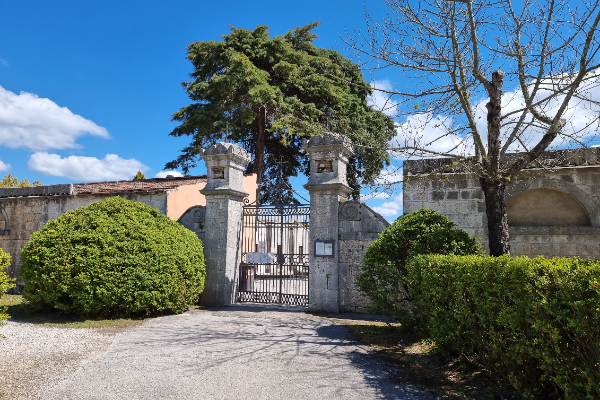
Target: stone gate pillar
[
  {"x": 224, "y": 192},
  {"x": 328, "y": 186}
]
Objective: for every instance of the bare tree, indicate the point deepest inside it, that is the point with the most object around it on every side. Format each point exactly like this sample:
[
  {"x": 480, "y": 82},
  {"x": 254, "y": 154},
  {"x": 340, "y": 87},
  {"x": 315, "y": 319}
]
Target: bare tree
[{"x": 487, "y": 79}]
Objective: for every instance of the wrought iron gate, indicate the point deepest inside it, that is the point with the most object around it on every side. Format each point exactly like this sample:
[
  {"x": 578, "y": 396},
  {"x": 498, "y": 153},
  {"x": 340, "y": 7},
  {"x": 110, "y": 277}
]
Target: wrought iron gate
[{"x": 274, "y": 267}]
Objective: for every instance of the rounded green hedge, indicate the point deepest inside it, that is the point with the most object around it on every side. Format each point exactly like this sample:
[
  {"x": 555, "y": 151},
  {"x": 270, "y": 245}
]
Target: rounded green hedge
[
  {"x": 383, "y": 274},
  {"x": 114, "y": 257},
  {"x": 5, "y": 284},
  {"x": 535, "y": 322}
]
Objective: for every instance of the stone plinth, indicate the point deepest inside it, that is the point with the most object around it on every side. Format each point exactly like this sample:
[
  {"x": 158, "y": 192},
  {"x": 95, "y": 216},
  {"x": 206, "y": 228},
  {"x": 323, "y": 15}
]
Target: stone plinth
[
  {"x": 329, "y": 153},
  {"x": 224, "y": 191}
]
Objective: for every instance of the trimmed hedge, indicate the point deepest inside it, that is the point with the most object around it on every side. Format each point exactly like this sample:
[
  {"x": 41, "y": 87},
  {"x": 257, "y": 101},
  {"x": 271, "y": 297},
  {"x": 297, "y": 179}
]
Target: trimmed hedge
[
  {"x": 114, "y": 257},
  {"x": 5, "y": 284},
  {"x": 420, "y": 232},
  {"x": 534, "y": 321}
]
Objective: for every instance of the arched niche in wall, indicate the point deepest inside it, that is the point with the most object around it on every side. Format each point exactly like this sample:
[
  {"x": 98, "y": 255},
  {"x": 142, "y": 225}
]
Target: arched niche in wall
[
  {"x": 546, "y": 207},
  {"x": 4, "y": 223}
]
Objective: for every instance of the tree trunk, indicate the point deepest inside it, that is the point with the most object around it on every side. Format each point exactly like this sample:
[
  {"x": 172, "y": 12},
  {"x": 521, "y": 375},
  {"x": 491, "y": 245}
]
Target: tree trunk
[
  {"x": 492, "y": 182},
  {"x": 495, "y": 209},
  {"x": 260, "y": 152}
]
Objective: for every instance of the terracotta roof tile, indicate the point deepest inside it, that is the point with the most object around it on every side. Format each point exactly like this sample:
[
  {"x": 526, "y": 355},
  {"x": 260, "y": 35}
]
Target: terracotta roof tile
[{"x": 140, "y": 185}]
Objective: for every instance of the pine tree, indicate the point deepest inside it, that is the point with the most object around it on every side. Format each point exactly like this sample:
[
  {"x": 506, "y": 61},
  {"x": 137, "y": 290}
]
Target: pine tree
[
  {"x": 139, "y": 175},
  {"x": 268, "y": 93}
]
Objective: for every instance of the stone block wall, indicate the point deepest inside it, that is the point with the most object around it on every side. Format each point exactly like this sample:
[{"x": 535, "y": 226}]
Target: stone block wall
[
  {"x": 359, "y": 226},
  {"x": 458, "y": 195},
  {"x": 550, "y": 241},
  {"x": 221, "y": 238},
  {"x": 28, "y": 214}
]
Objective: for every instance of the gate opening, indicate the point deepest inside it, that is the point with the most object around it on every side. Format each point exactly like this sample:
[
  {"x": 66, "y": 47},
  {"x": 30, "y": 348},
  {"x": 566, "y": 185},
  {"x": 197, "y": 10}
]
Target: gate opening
[{"x": 275, "y": 242}]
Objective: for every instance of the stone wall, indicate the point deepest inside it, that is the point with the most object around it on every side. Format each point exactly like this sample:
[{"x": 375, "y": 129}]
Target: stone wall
[
  {"x": 540, "y": 202},
  {"x": 359, "y": 226},
  {"x": 28, "y": 214},
  {"x": 458, "y": 196},
  {"x": 349, "y": 226}
]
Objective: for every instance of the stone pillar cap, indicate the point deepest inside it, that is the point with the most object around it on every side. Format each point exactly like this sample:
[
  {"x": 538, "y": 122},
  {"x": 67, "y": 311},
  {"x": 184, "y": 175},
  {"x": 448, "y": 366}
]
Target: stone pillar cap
[
  {"x": 331, "y": 139},
  {"x": 218, "y": 150}
]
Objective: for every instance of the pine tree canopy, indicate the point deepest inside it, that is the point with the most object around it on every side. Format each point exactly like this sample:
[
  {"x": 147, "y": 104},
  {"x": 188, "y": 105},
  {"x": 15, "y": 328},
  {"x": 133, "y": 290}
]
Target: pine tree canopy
[
  {"x": 267, "y": 94},
  {"x": 139, "y": 175}
]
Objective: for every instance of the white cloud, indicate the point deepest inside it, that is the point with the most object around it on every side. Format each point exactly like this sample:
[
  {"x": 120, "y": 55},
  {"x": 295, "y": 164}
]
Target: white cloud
[
  {"x": 391, "y": 208},
  {"x": 432, "y": 131},
  {"x": 111, "y": 167},
  {"x": 4, "y": 166},
  {"x": 4, "y": 62},
  {"x": 163, "y": 174},
  {"x": 579, "y": 114},
  {"x": 40, "y": 124},
  {"x": 381, "y": 100},
  {"x": 429, "y": 132},
  {"x": 375, "y": 195}
]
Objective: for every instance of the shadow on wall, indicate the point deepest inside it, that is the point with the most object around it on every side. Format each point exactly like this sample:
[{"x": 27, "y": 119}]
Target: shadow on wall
[
  {"x": 552, "y": 223},
  {"x": 546, "y": 207}
]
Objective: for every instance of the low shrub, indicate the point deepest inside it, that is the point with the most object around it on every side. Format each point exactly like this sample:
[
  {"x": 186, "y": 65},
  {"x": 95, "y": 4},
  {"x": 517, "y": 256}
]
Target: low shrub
[
  {"x": 5, "y": 284},
  {"x": 384, "y": 266},
  {"x": 534, "y": 321},
  {"x": 114, "y": 257}
]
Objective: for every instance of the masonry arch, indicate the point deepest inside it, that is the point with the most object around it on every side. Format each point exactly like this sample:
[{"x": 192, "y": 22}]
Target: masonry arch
[
  {"x": 4, "y": 222},
  {"x": 546, "y": 207},
  {"x": 580, "y": 196}
]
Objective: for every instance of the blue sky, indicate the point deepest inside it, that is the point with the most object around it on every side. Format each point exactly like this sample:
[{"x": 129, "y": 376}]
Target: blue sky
[{"x": 88, "y": 88}]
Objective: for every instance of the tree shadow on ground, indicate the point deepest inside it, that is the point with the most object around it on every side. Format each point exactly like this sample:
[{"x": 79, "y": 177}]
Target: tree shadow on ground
[
  {"x": 412, "y": 359},
  {"x": 376, "y": 372},
  {"x": 21, "y": 311}
]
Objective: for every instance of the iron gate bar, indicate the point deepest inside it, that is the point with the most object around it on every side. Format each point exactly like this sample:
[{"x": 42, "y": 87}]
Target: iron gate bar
[
  {"x": 257, "y": 218},
  {"x": 279, "y": 234}
]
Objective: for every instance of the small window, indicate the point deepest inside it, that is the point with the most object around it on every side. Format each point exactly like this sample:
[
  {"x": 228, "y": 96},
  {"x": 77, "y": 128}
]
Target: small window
[
  {"x": 218, "y": 172},
  {"x": 4, "y": 226},
  {"x": 324, "y": 165}
]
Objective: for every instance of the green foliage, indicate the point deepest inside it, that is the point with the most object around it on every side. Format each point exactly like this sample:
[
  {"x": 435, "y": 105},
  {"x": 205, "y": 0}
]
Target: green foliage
[
  {"x": 258, "y": 90},
  {"x": 10, "y": 181},
  {"x": 534, "y": 321},
  {"x": 113, "y": 257},
  {"x": 383, "y": 274},
  {"x": 5, "y": 284},
  {"x": 139, "y": 175}
]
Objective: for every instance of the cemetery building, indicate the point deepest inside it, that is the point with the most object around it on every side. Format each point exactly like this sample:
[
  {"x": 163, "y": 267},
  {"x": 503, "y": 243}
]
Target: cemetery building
[
  {"x": 553, "y": 206},
  {"x": 25, "y": 210}
]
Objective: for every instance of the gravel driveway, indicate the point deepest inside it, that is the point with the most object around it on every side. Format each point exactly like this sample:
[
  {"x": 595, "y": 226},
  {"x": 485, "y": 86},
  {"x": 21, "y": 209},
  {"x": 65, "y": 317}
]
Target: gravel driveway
[{"x": 235, "y": 352}]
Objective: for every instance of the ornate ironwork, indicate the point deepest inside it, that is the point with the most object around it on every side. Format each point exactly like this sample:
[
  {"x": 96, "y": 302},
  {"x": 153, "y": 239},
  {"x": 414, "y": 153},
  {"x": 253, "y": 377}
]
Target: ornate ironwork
[{"x": 274, "y": 265}]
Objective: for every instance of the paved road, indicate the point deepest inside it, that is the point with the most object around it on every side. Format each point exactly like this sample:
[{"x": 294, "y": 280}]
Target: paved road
[{"x": 238, "y": 352}]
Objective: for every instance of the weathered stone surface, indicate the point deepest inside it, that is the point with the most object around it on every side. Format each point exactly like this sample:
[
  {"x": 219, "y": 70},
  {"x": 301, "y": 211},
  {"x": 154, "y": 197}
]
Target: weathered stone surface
[
  {"x": 336, "y": 149},
  {"x": 222, "y": 221},
  {"x": 193, "y": 219},
  {"x": 327, "y": 188},
  {"x": 355, "y": 238},
  {"x": 572, "y": 174},
  {"x": 351, "y": 225},
  {"x": 225, "y": 163},
  {"x": 26, "y": 215},
  {"x": 48, "y": 190}
]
